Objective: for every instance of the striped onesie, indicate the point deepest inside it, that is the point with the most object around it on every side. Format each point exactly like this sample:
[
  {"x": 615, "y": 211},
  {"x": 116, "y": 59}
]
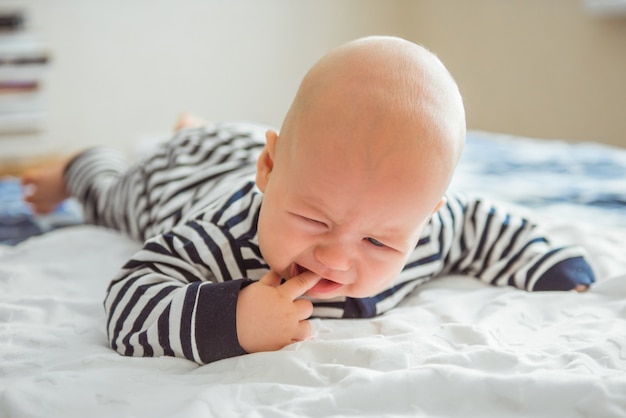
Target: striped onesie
[{"x": 194, "y": 205}]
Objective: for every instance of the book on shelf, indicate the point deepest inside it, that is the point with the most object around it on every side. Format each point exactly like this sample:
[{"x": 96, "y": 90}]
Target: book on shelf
[
  {"x": 24, "y": 61},
  {"x": 11, "y": 20}
]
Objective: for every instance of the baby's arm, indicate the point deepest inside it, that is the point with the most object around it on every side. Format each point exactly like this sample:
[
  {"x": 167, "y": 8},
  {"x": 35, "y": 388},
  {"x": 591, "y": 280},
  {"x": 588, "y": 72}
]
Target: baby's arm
[
  {"x": 162, "y": 303},
  {"x": 502, "y": 248}
]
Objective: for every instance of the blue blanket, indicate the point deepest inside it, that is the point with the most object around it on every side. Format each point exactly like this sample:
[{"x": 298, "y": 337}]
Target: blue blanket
[{"x": 583, "y": 181}]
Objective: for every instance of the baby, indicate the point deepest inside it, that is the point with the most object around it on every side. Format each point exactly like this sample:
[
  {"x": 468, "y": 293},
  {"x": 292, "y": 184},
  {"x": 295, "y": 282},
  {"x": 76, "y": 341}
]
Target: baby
[{"x": 248, "y": 232}]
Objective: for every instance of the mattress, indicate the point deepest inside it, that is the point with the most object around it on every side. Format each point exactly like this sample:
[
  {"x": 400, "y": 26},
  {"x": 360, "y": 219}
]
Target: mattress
[{"x": 454, "y": 347}]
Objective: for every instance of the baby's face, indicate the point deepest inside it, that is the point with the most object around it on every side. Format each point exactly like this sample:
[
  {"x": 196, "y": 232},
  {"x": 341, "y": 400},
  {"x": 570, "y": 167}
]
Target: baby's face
[
  {"x": 352, "y": 224},
  {"x": 365, "y": 154}
]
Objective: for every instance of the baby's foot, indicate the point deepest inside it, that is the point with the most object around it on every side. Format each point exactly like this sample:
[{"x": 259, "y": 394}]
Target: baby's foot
[
  {"x": 188, "y": 120},
  {"x": 44, "y": 188}
]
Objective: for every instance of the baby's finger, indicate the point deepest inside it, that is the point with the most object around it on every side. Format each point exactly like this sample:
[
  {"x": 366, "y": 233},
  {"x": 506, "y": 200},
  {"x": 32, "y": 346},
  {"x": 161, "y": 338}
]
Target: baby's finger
[
  {"x": 300, "y": 284},
  {"x": 304, "y": 332},
  {"x": 304, "y": 308},
  {"x": 271, "y": 279}
]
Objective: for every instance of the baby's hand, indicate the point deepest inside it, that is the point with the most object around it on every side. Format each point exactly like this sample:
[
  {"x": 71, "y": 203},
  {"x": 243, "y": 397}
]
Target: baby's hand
[{"x": 270, "y": 315}]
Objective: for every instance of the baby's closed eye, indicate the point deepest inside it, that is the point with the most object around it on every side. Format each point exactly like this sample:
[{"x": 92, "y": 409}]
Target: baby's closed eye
[{"x": 375, "y": 242}]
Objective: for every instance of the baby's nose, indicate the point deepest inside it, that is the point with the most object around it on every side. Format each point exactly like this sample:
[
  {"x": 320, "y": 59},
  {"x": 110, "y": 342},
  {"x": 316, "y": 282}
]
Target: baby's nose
[{"x": 335, "y": 255}]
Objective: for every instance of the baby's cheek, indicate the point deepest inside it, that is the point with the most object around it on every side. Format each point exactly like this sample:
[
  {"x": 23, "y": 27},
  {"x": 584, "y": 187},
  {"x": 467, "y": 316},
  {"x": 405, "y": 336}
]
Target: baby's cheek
[
  {"x": 387, "y": 276},
  {"x": 371, "y": 285}
]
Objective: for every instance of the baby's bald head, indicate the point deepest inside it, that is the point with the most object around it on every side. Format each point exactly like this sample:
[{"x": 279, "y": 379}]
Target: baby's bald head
[{"x": 379, "y": 98}]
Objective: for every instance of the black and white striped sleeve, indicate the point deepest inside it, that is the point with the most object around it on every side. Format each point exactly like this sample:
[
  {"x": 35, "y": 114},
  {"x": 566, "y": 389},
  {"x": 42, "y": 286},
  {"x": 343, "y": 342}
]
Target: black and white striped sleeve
[
  {"x": 168, "y": 299},
  {"x": 502, "y": 248},
  {"x": 178, "y": 295}
]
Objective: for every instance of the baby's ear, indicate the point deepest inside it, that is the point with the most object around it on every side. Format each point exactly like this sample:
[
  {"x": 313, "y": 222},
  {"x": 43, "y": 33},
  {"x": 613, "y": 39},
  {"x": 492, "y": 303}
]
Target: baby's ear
[{"x": 265, "y": 163}]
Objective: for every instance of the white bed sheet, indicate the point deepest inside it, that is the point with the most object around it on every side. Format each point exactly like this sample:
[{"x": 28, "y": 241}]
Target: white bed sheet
[{"x": 455, "y": 347}]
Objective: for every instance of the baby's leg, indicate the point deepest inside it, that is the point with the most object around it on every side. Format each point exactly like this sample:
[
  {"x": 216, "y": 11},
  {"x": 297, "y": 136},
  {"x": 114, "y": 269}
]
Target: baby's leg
[
  {"x": 98, "y": 178},
  {"x": 115, "y": 194},
  {"x": 153, "y": 194},
  {"x": 45, "y": 186}
]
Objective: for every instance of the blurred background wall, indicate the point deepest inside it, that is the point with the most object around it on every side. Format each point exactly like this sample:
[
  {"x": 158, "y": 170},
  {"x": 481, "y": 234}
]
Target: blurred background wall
[
  {"x": 538, "y": 68},
  {"x": 124, "y": 69}
]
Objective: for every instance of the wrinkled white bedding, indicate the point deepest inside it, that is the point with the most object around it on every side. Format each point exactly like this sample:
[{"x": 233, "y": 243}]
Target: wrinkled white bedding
[{"x": 454, "y": 348}]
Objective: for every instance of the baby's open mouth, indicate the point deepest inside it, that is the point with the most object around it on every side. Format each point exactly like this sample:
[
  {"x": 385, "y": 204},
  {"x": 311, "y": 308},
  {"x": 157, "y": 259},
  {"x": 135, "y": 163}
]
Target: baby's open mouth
[
  {"x": 321, "y": 287},
  {"x": 324, "y": 286}
]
